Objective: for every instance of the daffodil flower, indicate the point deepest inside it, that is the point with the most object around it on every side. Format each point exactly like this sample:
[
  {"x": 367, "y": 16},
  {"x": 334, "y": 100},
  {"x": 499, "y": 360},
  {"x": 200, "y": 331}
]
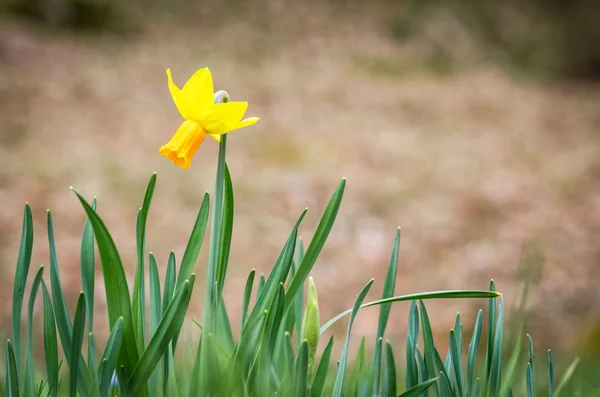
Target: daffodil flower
[{"x": 202, "y": 117}]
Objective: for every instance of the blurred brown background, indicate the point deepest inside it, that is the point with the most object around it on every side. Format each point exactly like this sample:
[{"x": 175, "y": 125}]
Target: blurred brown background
[{"x": 474, "y": 125}]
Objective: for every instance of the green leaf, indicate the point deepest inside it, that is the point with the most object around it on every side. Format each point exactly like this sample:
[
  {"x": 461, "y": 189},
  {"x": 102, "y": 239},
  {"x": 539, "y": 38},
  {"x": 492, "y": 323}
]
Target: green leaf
[
  {"x": 390, "y": 371},
  {"x": 169, "y": 324},
  {"x": 511, "y": 368},
  {"x": 384, "y": 310},
  {"x": 429, "y": 351},
  {"x": 110, "y": 356},
  {"x": 317, "y": 243},
  {"x": 495, "y": 377},
  {"x": 88, "y": 272},
  {"x": 377, "y": 365},
  {"x": 301, "y": 381},
  {"x": 457, "y": 362},
  {"x": 490, "y": 335},
  {"x": 338, "y": 387},
  {"x": 412, "y": 369},
  {"x": 155, "y": 315},
  {"x": 138, "y": 304},
  {"x": 88, "y": 278},
  {"x": 115, "y": 284},
  {"x": 466, "y": 294},
  {"x": 226, "y": 231},
  {"x": 29, "y": 387},
  {"x": 50, "y": 343},
  {"x": 566, "y": 377},
  {"x": 445, "y": 388},
  {"x": 299, "y": 298},
  {"x": 78, "y": 330},
  {"x": 388, "y": 287},
  {"x": 473, "y": 348},
  {"x": 268, "y": 289},
  {"x": 170, "y": 279},
  {"x": 23, "y": 262},
  {"x": 529, "y": 381},
  {"x": 190, "y": 255},
  {"x": 418, "y": 389},
  {"x": 550, "y": 375},
  {"x": 12, "y": 374},
  {"x": 321, "y": 374},
  {"x": 246, "y": 299}
]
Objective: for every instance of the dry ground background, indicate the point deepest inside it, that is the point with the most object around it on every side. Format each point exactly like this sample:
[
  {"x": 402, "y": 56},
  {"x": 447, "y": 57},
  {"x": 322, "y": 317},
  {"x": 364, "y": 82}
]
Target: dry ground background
[{"x": 471, "y": 159}]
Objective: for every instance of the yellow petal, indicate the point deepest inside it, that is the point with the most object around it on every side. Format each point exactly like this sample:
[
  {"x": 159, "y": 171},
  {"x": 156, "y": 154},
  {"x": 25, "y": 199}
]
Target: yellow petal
[
  {"x": 199, "y": 90},
  {"x": 180, "y": 100},
  {"x": 221, "y": 118},
  {"x": 181, "y": 148}
]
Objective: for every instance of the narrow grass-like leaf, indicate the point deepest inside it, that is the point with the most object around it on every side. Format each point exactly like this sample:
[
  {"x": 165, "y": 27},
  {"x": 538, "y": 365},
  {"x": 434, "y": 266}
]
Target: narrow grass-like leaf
[
  {"x": 388, "y": 287},
  {"x": 88, "y": 280},
  {"x": 495, "y": 377},
  {"x": 110, "y": 356},
  {"x": 473, "y": 349},
  {"x": 384, "y": 311},
  {"x": 226, "y": 230},
  {"x": 477, "y": 388},
  {"x": 169, "y": 324},
  {"x": 115, "y": 283},
  {"x": 260, "y": 287},
  {"x": 317, "y": 243},
  {"x": 12, "y": 375},
  {"x": 23, "y": 263},
  {"x": 171, "y": 380},
  {"x": 377, "y": 365},
  {"x": 550, "y": 375},
  {"x": 321, "y": 374},
  {"x": 412, "y": 370},
  {"x": 122, "y": 379},
  {"x": 511, "y": 368},
  {"x": 529, "y": 381},
  {"x": 77, "y": 341},
  {"x": 338, "y": 388},
  {"x": 389, "y": 388},
  {"x": 268, "y": 288},
  {"x": 421, "y": 365},
  {"x": 445, "y": 388},
  {"x": 299, "y": 298},
  {"x": 429, "y": 351},
  {"x": 466, "y": 294},
  {"x": 170, "y": 279},
  {"x": 301, "y": 378},
  {"x": 190, "y": 255},
  {"x": 246, "y": 299},
  {"x": 29, "y": 387},
  {"x": 491, "y": 329},
  {"x": 457, "y": 363},
  {"x": 155, "y": 315},
  {"x": 88, "y": 272},
  {"x": 566, "y": 377},
  {"x": 138, "y": 304},
  {"x": 88, "y": 277},
  {"x": 419, "y": 389},
  {"x": 50, "y": 342}
]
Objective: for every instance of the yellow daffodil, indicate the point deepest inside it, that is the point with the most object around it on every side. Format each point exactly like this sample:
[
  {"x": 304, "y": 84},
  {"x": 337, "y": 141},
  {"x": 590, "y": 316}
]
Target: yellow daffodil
[{"x": 202, "y": 117}]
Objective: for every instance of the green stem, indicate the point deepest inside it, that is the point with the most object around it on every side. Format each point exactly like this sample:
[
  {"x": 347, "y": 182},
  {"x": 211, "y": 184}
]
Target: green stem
[{"x": 210, "y": 297}]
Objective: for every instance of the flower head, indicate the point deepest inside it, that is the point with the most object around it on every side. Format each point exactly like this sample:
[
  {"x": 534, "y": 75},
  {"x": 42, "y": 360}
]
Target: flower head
[{"x": 202, "y": 117}]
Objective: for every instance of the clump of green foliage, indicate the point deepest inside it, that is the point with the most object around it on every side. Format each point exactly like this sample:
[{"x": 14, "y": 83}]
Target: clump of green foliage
[{"x": 275, "y": 351}]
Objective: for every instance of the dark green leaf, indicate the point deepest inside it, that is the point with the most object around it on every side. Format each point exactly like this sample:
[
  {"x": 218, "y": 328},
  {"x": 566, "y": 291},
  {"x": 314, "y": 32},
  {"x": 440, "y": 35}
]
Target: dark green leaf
[
  {"x": 338, "y": 388},
  {"x": 77, "y": 341},
  {"x": 317, "y": 243},
  {"x": 23, "y": 262}
]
